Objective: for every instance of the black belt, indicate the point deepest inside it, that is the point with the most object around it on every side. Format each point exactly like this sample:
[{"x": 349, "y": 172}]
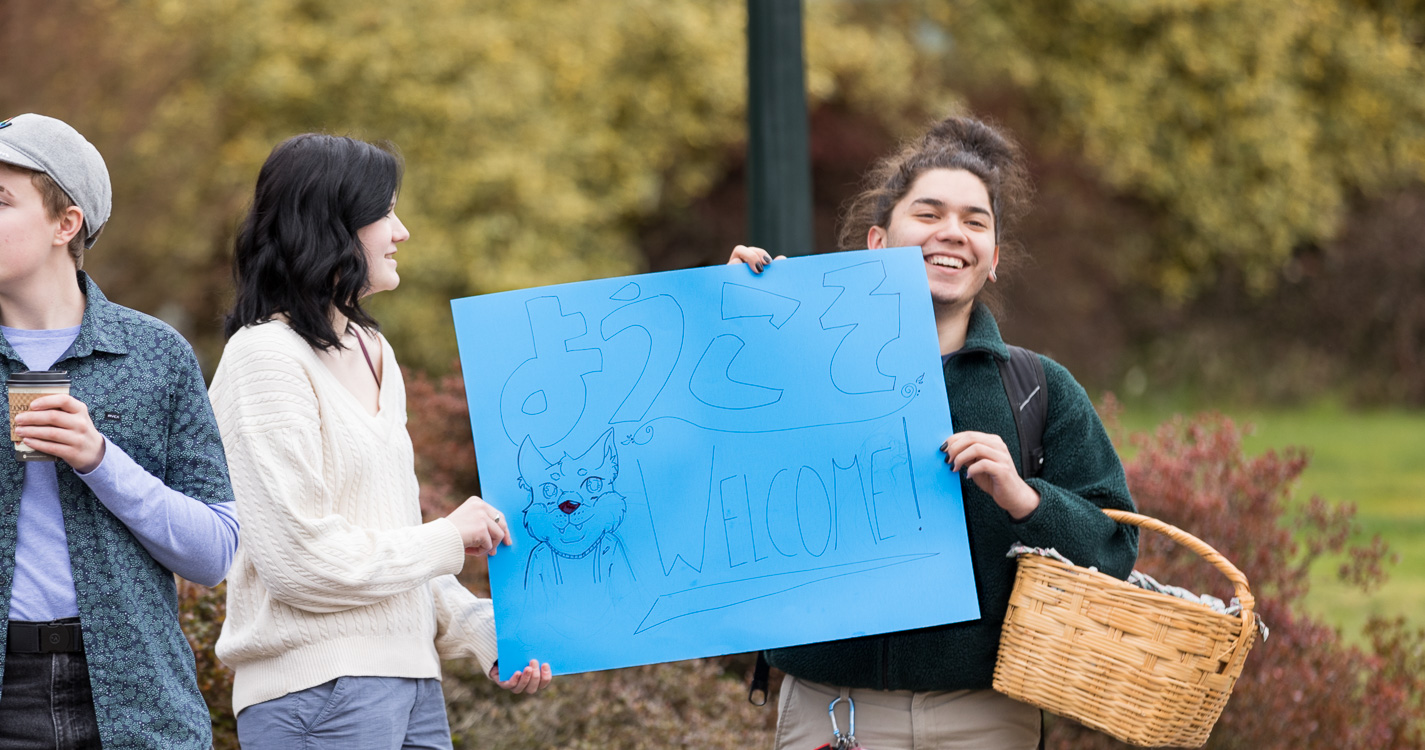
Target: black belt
[{"x": 57, "y": 637}]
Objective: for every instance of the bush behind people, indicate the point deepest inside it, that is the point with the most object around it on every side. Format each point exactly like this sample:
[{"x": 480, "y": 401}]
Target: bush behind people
[{"x": 1306, "y": 686}]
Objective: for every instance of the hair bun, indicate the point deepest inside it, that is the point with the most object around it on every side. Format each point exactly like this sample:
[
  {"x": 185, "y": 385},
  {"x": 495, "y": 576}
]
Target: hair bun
[{"x": 975, "y": 137}]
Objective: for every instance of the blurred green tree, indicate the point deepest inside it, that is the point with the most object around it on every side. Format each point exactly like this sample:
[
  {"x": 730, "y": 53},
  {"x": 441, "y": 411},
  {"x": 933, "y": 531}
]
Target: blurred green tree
[
  {"x": 1188, "y": 149},
  {"x": 537, "y": 134},
  {"x": 1246, "y": 128}
]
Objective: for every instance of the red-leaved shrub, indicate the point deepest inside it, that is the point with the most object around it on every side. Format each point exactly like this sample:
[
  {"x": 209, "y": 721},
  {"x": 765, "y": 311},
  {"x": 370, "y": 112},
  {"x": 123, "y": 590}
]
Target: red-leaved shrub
[
  {"x": 1305, "y": 687},
  {"x": 439, "y": 423},
  {"x": 200, "y": 614}
]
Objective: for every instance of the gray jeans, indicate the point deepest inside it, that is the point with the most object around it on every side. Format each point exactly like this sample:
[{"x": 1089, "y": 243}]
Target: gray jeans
[
  {"x": 46, "y": 702},
  {"x": 350, "y": 713}
]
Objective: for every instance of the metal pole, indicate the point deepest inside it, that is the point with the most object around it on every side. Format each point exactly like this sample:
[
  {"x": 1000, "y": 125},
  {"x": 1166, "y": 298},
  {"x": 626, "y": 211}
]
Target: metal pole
[{"x": 778, "y": 151}]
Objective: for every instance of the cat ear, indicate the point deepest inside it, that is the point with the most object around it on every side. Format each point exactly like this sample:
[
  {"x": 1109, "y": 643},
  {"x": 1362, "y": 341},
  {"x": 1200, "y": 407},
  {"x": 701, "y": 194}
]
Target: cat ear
[
  {"x": 532, "y": 463},
  {"x": 611, "y": 450}
]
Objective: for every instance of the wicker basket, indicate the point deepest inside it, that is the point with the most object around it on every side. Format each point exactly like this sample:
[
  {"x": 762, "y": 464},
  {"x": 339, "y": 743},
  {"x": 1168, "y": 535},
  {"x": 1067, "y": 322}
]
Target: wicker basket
[{"x": 1146, "y": 668}]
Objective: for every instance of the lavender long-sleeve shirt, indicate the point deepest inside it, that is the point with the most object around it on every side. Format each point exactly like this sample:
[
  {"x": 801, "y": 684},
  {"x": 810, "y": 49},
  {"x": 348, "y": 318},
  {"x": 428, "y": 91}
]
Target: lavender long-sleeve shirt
[{"x": 190, "y": 538}]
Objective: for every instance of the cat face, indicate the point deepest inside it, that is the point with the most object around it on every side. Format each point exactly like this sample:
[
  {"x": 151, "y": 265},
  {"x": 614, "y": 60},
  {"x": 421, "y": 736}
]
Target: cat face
[{"x": 572, "y": 501}]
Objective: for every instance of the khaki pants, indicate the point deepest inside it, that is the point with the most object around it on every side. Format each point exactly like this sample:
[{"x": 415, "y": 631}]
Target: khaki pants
[{"x": 905, "y": 720}]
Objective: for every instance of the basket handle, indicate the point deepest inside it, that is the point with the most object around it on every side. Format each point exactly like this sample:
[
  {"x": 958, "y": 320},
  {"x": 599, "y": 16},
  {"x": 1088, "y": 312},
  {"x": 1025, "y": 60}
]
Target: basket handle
[{"x": 1223, "y": 565}]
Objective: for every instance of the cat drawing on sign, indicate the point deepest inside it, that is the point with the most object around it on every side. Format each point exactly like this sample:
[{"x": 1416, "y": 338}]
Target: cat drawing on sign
[{"x": 574, "y": 514}]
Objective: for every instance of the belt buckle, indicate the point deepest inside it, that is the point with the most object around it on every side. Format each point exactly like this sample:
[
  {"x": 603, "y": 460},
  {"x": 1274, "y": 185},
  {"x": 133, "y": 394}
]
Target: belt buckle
[{"x": 55, "y": 638}]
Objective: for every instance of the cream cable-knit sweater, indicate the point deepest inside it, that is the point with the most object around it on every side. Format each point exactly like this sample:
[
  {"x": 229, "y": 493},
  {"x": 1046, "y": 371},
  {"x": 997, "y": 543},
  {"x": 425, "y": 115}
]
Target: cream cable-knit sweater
[{"x": 335, "y": 574}]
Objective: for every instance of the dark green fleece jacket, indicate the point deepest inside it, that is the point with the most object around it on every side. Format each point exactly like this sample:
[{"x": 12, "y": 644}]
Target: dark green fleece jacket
[{"x": 1081, "y": 474}]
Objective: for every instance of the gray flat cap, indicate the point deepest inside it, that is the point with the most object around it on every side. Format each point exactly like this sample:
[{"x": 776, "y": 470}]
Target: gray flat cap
[{"x": 44, "y": 144}]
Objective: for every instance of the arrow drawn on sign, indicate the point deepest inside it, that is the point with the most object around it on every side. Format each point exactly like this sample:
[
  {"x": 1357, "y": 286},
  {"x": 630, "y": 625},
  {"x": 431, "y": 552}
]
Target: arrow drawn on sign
[
  {"x": 740, "y": 301},
  {"x": 693, "y": 601}
]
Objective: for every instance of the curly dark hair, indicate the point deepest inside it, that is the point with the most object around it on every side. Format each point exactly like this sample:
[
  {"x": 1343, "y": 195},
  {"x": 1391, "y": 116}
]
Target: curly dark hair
[
  {"x": 297, "y": 252},
  {"x": 960, "y": 142}
]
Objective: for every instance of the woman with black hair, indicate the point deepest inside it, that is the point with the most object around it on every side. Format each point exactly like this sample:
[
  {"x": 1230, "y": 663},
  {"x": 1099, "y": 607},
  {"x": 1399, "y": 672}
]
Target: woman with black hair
[
  {"x": 341, "y": 602},
  {"x": 955, "y": 192}
]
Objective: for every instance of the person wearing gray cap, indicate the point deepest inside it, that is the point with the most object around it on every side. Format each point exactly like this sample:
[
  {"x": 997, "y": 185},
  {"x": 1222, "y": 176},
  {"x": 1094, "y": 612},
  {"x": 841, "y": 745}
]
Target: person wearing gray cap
[{"x": 112, "y": 487}]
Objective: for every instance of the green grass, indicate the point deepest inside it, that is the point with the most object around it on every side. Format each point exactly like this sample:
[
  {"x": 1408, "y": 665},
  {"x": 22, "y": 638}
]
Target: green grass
[{"x": 1375, "y": 459}]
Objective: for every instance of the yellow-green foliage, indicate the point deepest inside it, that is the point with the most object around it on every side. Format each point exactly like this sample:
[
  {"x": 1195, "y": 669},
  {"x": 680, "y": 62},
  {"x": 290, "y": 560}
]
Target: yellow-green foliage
[
  {"x": 1244, "y": 125},
  {"x": 536, "y": 134},
  {"x": 540, "y": 135}
]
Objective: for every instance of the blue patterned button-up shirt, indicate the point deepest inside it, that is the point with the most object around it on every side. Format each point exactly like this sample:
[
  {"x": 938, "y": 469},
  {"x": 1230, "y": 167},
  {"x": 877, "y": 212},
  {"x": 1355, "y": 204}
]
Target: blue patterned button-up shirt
[{"x": 145, "y": 393}]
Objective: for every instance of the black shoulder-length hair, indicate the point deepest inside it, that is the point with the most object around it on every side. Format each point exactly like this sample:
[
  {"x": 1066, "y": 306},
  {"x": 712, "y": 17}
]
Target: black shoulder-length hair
[{"x": 297, "y": 252}]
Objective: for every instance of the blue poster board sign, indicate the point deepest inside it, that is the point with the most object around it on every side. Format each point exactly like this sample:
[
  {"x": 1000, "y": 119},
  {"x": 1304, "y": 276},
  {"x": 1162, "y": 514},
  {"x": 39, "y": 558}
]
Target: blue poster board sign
[{"x": 710, "y": 461}]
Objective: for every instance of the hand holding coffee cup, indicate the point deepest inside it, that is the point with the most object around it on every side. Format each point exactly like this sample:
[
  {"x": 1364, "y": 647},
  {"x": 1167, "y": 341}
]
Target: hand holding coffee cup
[
  {"x": 47, "y": 423},
  {"x": 24, "y": 388}
]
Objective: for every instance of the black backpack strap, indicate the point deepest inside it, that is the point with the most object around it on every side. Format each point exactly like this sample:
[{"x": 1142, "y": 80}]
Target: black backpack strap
[
  {"x": 760, "y": 673},
  {"x": 1028, "y": 391}
]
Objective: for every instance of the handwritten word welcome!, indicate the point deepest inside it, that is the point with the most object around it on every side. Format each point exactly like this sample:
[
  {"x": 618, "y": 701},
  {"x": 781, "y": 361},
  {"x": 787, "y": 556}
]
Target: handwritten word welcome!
[{"x": 765, "y": 442}]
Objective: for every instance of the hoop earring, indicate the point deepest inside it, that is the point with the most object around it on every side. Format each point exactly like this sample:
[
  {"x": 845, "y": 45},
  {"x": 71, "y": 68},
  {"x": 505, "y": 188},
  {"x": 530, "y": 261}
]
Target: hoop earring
[{"x": 992, "y": 275}]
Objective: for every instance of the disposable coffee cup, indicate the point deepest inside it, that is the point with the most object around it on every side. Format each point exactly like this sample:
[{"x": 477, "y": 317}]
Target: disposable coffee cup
[{"x": 25, "y": 387}]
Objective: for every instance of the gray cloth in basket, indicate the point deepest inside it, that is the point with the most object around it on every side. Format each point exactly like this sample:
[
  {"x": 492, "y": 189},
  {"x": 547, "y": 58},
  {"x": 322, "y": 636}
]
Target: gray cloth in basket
[{"x": 1148, "y": 583}]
